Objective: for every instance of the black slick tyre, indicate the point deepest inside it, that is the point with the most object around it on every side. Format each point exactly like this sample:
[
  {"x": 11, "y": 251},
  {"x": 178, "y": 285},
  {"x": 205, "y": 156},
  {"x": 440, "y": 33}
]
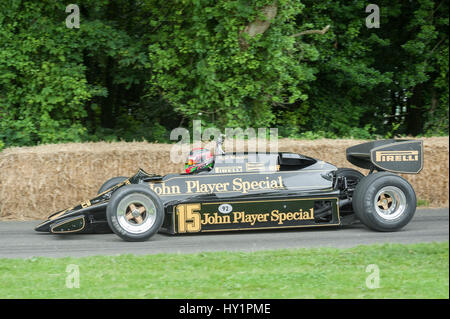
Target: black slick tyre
[
  {"x": 384, "y": 201},
  {"x": 135, "y": 212}
]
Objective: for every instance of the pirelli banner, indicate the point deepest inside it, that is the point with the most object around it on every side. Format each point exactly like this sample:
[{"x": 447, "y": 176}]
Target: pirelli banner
[
  {"x": 398, "y": 156},
  {"x": 253, "y": 214}
]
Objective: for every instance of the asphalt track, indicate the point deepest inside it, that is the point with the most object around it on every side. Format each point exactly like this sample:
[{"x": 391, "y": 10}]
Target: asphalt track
[{"x": 19, "y": 240}]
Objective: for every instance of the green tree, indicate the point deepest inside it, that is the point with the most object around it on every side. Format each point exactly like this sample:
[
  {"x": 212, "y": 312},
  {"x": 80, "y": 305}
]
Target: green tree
[
  {"x": 137, "y": 68},
  {"x": 59, "y": 84},
  {"x": 207, "y": 62},
  {"x": 391, "y": 80}
]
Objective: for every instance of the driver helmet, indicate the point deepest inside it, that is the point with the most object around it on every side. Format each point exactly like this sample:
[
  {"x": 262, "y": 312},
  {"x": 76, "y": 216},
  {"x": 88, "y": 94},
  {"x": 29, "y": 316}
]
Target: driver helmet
[{"x": 199, "y": 159}]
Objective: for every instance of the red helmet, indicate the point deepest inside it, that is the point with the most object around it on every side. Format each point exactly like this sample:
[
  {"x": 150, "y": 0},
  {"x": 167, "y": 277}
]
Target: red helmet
[{"x": 199, "y": 159}]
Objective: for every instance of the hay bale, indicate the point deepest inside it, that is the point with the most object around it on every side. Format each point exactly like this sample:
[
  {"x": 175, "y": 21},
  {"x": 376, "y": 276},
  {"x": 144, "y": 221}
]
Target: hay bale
[{"x": 36, "y": 181}]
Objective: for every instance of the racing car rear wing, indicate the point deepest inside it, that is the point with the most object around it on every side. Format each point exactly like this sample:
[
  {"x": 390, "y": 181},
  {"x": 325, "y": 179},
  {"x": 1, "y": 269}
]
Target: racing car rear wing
[{"x": 397, "y": 156}]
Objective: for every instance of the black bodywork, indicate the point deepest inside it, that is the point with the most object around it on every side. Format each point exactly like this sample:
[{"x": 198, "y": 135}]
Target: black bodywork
[{"x": 245, "y": 191}]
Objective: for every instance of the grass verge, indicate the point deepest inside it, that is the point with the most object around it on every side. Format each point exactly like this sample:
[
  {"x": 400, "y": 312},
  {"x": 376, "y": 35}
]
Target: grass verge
[
  {"x": 405, "y": 271},
  {"x": 423, "y": 203}
]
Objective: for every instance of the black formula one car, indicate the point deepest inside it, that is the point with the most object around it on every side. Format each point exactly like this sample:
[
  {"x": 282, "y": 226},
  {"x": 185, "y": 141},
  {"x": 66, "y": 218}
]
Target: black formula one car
[{"x": 245, "y": 191}]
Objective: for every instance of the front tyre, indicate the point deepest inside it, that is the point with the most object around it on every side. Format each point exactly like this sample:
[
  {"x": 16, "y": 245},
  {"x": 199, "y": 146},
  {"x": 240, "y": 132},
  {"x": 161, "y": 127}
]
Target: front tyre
[
  {"x": 135, "y": 212},
  {"x": 384, "y": 201}
]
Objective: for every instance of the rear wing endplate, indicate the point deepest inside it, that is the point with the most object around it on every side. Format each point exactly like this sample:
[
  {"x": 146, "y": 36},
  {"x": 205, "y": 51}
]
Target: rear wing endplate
[{"x": 397, "y": 156}]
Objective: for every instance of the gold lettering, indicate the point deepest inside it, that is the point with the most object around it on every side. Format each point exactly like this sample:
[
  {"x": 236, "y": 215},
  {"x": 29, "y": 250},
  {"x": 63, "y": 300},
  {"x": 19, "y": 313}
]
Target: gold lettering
[
  {"x": 163, "y": 189},
  {"x": 237, "y": 216},
  {"x": 190, "y": 185},
  {"x": 85, "y": 204},
  {"x": 215, "y": 219},
  {"x": 237, "y": 184},
  {"x": 378, "y": 157},
  {"x": 274, "y": 215},
  {"x": 396, "y": 156},
  {"x": 229, "y": 169},
  {"x": 262, "y": 218},
  {"x": 176, "y": 189},
  {"x": 189, "y": 219}
]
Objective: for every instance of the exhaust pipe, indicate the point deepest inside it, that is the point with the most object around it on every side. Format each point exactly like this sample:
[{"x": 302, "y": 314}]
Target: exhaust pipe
[{"x": 344, "y": 202}]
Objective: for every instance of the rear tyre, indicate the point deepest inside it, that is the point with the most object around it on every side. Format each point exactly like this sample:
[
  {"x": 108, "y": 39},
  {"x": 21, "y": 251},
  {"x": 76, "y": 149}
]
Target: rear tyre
[
  {"x": 384, "y": 201},
  {"x": 110, "y": 183},
  {"x": 135, "y": 212}
]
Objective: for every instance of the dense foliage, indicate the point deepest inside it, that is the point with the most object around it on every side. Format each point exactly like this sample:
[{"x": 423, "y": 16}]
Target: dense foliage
[{"x": 136, "y": 69}]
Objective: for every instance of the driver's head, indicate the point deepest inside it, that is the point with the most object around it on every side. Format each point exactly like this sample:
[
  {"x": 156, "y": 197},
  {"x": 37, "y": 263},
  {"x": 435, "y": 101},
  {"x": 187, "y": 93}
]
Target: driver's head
[{"x": 199, "y": 159}]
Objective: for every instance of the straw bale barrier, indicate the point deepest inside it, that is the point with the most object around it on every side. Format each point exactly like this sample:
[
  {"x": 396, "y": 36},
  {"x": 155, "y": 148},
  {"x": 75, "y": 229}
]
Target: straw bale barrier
[{"x": 35, "y": 181}]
